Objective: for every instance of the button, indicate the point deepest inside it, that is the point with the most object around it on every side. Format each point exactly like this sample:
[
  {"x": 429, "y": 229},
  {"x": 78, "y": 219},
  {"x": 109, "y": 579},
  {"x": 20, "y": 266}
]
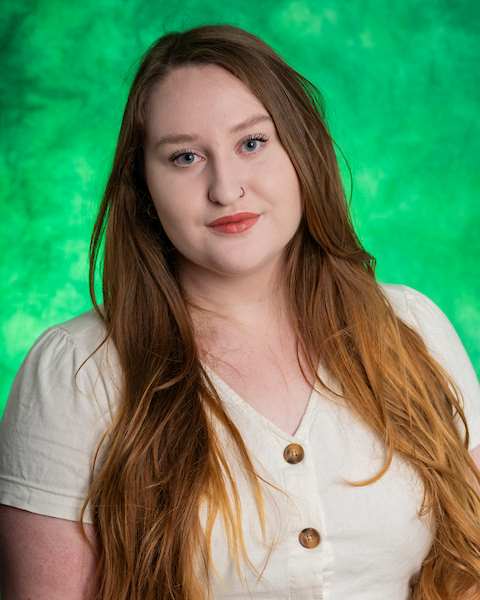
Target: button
[
  {"x": 293, "y": 453},
  {"x": 309, "y": 537}
]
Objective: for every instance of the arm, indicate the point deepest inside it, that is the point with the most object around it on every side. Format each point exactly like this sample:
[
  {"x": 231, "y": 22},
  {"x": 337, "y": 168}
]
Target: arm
[{"x": 44, "y": 557}]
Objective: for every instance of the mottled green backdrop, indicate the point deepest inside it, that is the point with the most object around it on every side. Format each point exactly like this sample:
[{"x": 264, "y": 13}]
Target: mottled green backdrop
[{"x": 400, "y": 81}]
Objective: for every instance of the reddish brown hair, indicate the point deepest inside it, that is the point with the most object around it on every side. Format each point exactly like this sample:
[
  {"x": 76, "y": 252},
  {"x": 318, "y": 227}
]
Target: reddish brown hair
[{"x": 146, "y": 513}]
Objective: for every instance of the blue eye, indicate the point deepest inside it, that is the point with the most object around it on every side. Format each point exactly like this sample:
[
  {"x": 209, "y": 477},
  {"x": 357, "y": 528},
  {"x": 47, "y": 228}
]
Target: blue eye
[
  {"x": 258, "y": 137},
  {"x": 182, "y": 153}
]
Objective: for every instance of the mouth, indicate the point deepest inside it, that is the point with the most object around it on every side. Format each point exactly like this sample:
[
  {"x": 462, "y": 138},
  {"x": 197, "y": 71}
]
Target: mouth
[
  {"x": 240, "y": 216},
  {"x": 236, "y": 226}
]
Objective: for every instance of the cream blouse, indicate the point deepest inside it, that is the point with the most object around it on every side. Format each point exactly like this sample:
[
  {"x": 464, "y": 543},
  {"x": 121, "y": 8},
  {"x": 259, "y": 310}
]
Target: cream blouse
[{"x": 331, "y": 541}]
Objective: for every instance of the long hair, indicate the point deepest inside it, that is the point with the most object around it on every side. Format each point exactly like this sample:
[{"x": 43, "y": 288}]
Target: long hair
[{"x": 163, "y": 459}]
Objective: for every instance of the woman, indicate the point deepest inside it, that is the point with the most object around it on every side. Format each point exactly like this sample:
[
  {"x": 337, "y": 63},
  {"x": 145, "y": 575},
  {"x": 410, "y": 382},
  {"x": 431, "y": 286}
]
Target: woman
[{"x": 269, "y": 415}]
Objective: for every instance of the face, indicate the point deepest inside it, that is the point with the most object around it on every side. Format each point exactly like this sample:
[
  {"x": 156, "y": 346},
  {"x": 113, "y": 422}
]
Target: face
[{"x": 195, "y": 182}]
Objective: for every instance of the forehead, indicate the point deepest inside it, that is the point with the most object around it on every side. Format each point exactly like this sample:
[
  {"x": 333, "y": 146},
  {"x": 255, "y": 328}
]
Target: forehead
[{"x": 200, "y": 96}]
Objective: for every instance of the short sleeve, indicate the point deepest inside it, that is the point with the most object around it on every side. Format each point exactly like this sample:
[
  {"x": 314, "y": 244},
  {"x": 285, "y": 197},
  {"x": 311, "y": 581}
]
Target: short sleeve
[
  {"x": 446, "y": 347},
  {"x": 50, "y": 429}
]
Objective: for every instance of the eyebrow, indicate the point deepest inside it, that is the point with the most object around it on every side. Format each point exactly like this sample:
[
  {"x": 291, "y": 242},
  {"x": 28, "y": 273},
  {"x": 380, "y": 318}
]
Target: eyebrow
[{"x": 186, "y": 137}]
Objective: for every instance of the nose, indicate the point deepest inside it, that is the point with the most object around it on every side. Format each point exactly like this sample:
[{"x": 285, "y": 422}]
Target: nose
[{"x": 225, "y": 180}]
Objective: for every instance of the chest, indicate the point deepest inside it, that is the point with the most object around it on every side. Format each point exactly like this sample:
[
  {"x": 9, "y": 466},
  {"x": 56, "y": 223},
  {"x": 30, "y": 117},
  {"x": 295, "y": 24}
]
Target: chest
[
  {"x": 273, "y": 386},
  {"x": 366, "y": 532}
]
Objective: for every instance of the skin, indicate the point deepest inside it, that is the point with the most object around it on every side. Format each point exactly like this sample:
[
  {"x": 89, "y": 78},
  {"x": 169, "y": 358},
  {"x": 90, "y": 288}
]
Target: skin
[{"x": 235, "y": 275}]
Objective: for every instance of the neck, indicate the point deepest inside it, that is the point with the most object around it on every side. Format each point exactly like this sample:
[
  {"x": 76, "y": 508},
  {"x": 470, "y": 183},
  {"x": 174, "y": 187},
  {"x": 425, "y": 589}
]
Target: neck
[
  {"x": 238, "y": 317},
  {"x": 248, "y": 304}
]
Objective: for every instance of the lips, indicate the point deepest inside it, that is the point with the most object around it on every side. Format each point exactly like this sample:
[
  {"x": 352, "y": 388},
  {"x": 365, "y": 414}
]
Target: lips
[{"x": 241, "y": 216}]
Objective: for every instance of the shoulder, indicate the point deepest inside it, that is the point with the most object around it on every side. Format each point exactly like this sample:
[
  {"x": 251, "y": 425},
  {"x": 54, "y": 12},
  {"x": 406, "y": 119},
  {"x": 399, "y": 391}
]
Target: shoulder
[
  {"x": 444, "y": 344},
  {"x": 84, "y": 331},
  {"x": 82, "y": 336},
  {"x": 422, "y": 313},
  {"x": 406, "y": 299},
  {"x": 65, "y": 360}
]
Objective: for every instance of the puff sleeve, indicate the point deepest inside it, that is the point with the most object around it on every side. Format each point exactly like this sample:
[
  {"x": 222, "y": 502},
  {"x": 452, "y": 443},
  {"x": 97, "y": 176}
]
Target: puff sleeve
[
  {"x": 50, "y": 429},
  {"x": 445, "y": 345}
]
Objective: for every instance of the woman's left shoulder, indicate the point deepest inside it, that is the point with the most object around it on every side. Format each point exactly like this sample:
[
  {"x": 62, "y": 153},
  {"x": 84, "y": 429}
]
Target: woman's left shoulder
[
  {"x": 444, "y": 344},
  {"x": 424, "y": 314}
]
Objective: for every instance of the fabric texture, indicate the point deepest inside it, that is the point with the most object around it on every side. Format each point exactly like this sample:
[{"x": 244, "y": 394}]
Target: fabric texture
[{"x": 371, "y": 538}]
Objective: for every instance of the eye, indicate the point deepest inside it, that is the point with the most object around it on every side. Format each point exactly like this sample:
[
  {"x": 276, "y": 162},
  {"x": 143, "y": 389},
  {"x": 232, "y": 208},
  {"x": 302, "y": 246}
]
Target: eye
[
  {"x": 257, "y": 137},
  {"x": 184, "y": 152}
]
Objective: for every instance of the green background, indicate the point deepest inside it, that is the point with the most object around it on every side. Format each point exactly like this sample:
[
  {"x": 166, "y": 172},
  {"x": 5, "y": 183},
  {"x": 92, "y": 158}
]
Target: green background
[{"x": 400, "y": 81}]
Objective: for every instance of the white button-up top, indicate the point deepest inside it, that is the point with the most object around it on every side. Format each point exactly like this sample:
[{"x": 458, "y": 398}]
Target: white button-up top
[{"x": 361, "y": 543}]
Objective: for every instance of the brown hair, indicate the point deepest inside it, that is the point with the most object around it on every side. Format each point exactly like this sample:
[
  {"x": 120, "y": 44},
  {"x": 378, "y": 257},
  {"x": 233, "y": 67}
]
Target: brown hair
[{"x": 145, "y": 512}]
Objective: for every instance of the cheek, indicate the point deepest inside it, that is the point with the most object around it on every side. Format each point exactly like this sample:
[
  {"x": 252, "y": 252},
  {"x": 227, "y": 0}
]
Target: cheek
[
  {"x": 286, "y": 178},
  {"x": 174, "y": 221},
  {"x": 178, "y": 220},
  {"x": 164, "y": 197},
  {"x": 288, "y": 190},
  {"x": 159, "y": 183},
  {"x": 177, "y": 229}
]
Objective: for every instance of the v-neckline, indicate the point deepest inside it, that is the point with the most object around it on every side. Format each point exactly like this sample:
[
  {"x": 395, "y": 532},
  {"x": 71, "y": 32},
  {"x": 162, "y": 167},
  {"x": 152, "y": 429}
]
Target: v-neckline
[{"x": 300, "y": 434}]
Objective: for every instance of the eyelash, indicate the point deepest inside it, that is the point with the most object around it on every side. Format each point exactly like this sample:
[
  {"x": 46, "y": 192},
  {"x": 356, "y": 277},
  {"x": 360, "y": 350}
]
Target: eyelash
[{"x": 260, "y": 137}]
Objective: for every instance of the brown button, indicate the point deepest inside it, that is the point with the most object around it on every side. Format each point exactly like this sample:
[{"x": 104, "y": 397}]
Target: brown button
[
  {"x": 309, "y": 537},
  {"x": 293, "y": 453}
]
